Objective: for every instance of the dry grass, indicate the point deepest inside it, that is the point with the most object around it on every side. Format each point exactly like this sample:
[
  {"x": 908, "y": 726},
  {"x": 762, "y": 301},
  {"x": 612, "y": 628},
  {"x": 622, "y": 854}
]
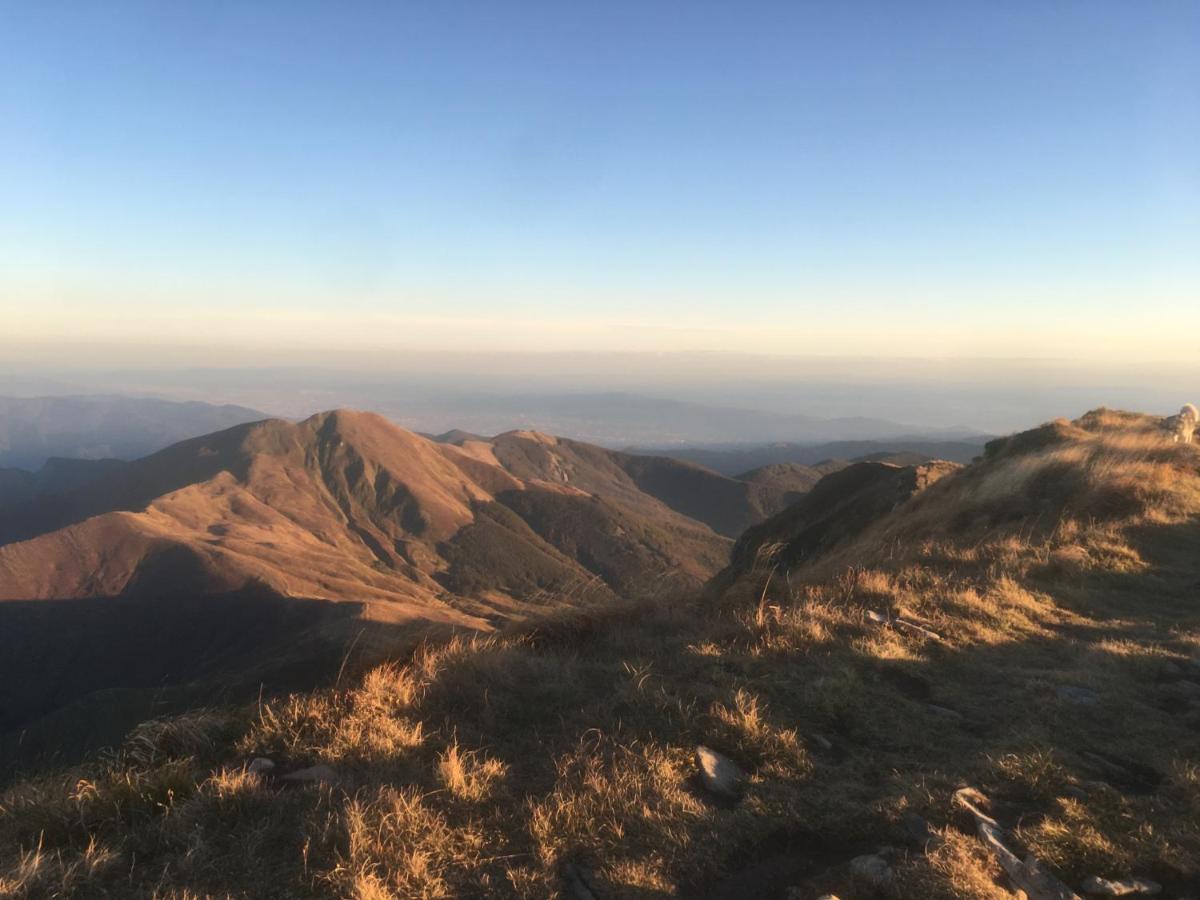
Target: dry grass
[
  {"x": 469, "y": 775},
  {"x": 493, "y": 767}
]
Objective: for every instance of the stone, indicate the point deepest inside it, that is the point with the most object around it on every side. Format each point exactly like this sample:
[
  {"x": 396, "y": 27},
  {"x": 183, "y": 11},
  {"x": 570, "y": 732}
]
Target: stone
[
  {"x": 719, "y": 774},
  {"x": 319, "y": 774},
  {"x": 1080, "y": 696},
  {"x": 1103, "y": 887},
  {"x": 871, "y": 869},
  {"x": 260, "y": 766},
  {"x": 914, "y": 628},
  {"x": 1027, "y": 875},
  {"x": 900, "y": 624}
]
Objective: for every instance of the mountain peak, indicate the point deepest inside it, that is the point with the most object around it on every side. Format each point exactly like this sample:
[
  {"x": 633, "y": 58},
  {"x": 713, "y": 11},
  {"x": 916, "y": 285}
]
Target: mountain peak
[{"x": 537, "y": 437}]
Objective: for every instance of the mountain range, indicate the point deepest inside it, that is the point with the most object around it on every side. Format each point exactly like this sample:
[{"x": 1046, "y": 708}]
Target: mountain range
[
  {"x": 622, "y": 418},
  {"x": 901, "y": 450},
  {"x": 34, "y": 429},
  {"x": 306, "y": 531}
]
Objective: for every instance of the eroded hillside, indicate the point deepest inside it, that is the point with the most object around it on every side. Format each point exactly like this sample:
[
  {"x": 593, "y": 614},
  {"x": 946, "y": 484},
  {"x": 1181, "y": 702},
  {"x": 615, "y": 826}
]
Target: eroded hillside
[{"x": 1026, "y": 626}]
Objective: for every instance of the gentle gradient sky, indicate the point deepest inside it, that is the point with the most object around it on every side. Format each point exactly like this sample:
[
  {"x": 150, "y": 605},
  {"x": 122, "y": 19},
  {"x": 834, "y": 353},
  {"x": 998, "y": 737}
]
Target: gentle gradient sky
[{"x": 942, "y": 179}]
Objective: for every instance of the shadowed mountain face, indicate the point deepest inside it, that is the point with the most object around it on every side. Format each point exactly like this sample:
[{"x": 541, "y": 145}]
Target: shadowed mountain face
[
  {"x": 837, "y": 508},
  {"x": 911, "y": 450},
  {"x": 405, "y": 534},
  {"x": 35, "y": 429}
]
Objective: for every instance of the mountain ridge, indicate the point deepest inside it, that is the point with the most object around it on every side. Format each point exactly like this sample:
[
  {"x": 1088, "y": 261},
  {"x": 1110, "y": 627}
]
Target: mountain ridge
[
  {"x": 412, "y": 537},
  {"x": 731, "y": 459},
  {"x": 96, "y": 426}
]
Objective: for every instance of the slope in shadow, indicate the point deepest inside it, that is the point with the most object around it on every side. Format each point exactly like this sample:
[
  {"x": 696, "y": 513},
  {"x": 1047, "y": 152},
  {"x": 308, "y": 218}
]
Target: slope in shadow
[{"x": 102, "y": 654}]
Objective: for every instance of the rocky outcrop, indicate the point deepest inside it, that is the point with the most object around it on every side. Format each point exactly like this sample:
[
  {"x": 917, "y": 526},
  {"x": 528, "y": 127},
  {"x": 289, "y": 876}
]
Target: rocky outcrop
[{"x": 839, "y": 507}]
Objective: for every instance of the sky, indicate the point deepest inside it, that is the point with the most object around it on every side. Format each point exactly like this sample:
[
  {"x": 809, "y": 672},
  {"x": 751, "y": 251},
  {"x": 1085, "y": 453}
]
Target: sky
[{"x": 971, "y": 180}]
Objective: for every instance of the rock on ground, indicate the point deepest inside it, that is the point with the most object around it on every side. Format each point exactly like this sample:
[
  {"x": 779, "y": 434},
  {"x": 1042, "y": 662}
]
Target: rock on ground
[
  {"x": 719, "y": 774},
  {"x": 1103, "y": 887}
]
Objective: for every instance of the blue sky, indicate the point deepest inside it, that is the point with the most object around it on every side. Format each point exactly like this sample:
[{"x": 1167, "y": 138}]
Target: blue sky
[{"x": 971, "y": 177}]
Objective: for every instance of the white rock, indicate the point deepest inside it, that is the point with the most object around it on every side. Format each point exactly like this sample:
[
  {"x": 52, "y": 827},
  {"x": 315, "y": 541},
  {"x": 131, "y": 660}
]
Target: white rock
[
  {"x": 1103, "y": 887},
  {"x": 915, "y": 628},
  {"x": 1027, "y": 875},
  {"x": 718, "y": 773}
]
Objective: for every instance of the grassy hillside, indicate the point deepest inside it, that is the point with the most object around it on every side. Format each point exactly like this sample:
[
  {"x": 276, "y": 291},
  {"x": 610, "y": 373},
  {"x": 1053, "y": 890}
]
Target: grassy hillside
[
  {"x": 1027, "y": 626},
  {"x": 215, "y": 556}
]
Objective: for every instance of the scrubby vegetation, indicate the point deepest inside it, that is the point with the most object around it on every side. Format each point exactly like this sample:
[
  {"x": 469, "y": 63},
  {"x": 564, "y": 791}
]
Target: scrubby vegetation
[{"x": 1051, "y": 658}]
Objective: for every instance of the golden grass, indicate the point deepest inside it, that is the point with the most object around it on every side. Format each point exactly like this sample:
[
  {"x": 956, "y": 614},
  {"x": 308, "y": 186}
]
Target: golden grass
[
  {"x": 469, "y": 775},
  {"x": 488, "y": 767},
  {"x": 398, "y": 845}
]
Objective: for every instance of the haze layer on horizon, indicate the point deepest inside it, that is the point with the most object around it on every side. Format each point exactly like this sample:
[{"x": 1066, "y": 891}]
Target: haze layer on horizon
[
  {"x": 187, "y": 183},
  {"x": 493, "y": 392}
]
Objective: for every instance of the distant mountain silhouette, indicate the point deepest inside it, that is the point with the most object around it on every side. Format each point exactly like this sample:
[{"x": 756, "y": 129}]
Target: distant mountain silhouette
[
  {"x": 619, "y": 419},
  {"x": 731, "y": 459},
  {"x": 34, "y": 429}
]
